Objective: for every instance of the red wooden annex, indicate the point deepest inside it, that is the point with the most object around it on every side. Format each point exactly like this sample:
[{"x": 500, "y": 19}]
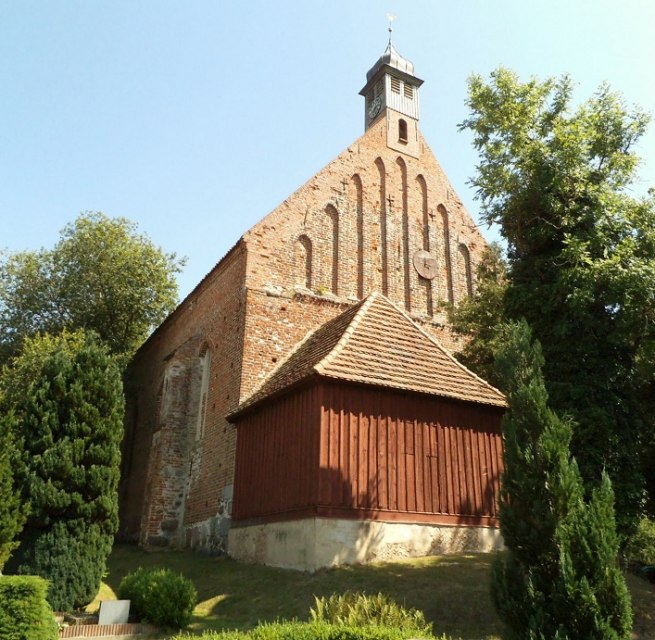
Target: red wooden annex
[{"x": 369, "y": 418}]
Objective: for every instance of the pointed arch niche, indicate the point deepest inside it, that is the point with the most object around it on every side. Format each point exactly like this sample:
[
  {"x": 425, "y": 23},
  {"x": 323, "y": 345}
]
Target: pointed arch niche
[
  {"x": 333, "y": 215},
  {"x": 204, "y": 362},
  {"x": 405, "y": 231},
  {"x": 465, "y": 284},
  {"x": 358, "y": 192},
  {"x": 384, "y": 256},
  {"x": 425, "y": 239},
  {"x": 448, "y": 267},
  {"x": 303, "y": 262}
]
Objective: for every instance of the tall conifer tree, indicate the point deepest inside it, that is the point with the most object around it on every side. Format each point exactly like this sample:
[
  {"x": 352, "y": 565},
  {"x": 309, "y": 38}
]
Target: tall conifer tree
[
  {"x": 12, "y": 509},
  {"x": 559, "y": 578},
  {"x": 67, "y": 395}
]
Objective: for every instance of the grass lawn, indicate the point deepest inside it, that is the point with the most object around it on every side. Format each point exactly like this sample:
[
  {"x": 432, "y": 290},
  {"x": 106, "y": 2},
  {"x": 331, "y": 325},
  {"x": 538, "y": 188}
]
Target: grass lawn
[{"x": 452, "y": 591}]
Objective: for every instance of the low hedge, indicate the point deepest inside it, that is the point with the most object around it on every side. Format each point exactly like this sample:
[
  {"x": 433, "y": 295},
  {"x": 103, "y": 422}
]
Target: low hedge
[
  {"x": 24, "y": 611},
  {"x": 295, "y": 630}
]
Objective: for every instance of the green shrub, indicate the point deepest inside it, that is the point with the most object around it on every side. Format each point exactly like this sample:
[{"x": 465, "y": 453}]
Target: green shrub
[
  {"x": 359, "y": 610},
  {"x": 296, "y": 630},
  {"x": 159, "y": 596},
  {"x": 24, "y": 612},
  {"x": 641, "y": 547}
]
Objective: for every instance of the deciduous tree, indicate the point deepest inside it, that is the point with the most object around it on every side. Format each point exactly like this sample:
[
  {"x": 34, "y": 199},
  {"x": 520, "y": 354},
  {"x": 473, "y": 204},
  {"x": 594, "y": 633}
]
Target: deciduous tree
[
  {"x": 480, "y": 318},
  {"x": 581, "y": 247},
  {"x": 102, "y": 276}
]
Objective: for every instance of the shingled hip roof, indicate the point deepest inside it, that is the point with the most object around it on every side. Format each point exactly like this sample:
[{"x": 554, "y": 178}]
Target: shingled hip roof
[{"x": 376, "y": 343}]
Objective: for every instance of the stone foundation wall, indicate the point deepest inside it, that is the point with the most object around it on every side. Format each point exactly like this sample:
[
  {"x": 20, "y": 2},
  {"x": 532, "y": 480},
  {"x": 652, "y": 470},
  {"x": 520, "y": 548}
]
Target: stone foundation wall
[{"x": 314, "y": 543}]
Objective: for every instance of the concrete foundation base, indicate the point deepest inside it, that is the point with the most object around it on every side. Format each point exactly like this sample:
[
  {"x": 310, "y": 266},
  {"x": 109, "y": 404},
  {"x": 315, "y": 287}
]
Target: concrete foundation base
[{"x": 314, "y": 543}]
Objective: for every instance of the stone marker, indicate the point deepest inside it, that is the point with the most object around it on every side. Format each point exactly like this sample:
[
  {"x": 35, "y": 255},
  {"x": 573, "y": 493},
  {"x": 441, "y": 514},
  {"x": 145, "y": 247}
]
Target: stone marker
[{"x": 114, "y": 611}]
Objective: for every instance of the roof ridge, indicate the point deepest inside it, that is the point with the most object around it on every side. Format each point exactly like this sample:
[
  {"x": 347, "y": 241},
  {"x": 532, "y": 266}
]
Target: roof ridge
[
  {"x": 444, "y": 350},
  {"x": 319, "y": 367}
]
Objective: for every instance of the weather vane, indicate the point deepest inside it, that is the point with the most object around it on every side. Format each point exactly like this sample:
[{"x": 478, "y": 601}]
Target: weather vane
[{"x": 390, "y": 19}]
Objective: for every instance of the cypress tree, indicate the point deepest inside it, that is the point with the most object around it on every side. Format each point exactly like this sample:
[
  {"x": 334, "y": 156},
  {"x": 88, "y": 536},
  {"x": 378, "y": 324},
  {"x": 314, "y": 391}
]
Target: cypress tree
[
  {"x": 559, "y": 578},
  {"x": 70, "y": 413}
]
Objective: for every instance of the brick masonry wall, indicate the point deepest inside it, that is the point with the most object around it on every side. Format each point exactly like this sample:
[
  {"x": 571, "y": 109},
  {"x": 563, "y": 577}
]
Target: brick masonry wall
[
  {"x": 352, "y": 229},
  {"x": 124, "y": 630},
  {"x": 177, "y": 472}
]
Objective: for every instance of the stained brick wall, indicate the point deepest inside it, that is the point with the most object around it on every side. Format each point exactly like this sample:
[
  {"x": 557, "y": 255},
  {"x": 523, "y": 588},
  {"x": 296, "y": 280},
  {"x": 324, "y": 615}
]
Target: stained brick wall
[
  {"x": 175, "y": 477},
  {"x": 353, "y": 228}
]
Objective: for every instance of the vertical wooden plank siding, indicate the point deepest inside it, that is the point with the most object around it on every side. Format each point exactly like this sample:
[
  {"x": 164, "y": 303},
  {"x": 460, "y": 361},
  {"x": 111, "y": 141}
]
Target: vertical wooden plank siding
[
  {"x": 392, "y": 467},
  {"x": 402, "y": 466},
  {"x": 413, "y": 454},
  {"x": 277, "y": 461},
  {"x": 359, "y": 449},
  {"x": 362, "y": 470}
]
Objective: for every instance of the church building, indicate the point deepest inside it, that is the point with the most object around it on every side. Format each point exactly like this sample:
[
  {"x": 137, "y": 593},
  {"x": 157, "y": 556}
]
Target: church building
[{"x": 301, "y": 407}]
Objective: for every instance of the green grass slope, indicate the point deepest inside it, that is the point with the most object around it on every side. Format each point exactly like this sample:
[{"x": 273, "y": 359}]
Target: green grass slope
[{"x": 452, "y": 591}]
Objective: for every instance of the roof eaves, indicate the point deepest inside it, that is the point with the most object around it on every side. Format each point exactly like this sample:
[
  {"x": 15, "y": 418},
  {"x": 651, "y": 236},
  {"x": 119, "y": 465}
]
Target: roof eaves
[{"x": 501, "y": 404}]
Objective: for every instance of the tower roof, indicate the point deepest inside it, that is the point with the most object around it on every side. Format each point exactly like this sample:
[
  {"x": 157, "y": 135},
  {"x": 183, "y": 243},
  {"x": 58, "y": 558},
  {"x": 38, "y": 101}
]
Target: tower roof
[{"x": 393, "y": 59}]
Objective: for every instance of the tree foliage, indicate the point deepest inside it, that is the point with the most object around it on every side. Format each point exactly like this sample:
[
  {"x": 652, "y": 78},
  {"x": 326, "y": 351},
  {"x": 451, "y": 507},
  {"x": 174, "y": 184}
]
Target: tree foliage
[
  {"x": 481, "y": 317},
  {"x": 66, "y": 394},
  {"x": 559, "y": 578},
  {"x": 12, "y": 510},
  {"x": 580, "y": 251},
  {"x": 101, "y": 276}
]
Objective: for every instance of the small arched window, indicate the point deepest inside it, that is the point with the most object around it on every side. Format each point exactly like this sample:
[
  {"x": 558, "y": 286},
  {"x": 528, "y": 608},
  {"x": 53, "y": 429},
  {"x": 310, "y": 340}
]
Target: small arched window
[{"x": 402, "y": 130}]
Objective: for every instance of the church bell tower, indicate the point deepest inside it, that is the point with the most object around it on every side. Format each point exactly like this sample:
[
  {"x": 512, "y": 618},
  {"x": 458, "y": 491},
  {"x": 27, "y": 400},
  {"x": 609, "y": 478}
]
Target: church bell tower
[{"x": 391, "y": 91}]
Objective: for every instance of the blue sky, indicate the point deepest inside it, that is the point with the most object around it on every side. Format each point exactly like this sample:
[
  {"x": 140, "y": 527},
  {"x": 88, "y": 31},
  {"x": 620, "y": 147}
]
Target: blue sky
[{"x": 195, "y": 119}]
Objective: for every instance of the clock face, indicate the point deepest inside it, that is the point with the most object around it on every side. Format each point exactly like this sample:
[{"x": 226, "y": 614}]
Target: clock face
[{"x": 374, "y": 107}]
